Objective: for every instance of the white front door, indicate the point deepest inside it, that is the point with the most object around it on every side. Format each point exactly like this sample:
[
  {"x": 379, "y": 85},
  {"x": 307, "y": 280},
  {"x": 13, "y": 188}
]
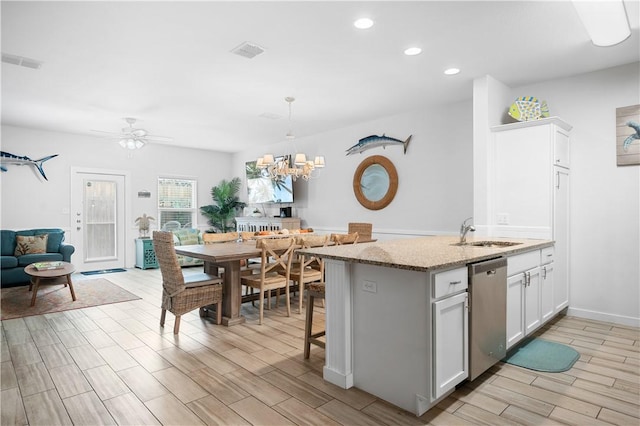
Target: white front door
[{"x": 98, "y": 220}]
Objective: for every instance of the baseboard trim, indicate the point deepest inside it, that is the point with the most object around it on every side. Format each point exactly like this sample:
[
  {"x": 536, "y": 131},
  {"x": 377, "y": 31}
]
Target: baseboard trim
[{"x": 603, "y": 316}]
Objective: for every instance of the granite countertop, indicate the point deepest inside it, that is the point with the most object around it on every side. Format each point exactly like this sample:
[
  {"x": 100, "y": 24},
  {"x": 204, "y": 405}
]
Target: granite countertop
[{"x": 425, "y": 253}]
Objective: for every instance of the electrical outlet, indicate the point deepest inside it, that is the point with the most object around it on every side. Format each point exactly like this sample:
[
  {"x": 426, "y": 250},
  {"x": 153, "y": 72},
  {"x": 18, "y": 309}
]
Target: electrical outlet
[
  {"x": 503, "y": 218},
  {"x": 370, "y": 286}
]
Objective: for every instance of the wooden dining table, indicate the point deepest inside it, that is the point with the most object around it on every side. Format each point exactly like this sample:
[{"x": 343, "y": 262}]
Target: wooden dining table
[{"x": 228, "y": 256}]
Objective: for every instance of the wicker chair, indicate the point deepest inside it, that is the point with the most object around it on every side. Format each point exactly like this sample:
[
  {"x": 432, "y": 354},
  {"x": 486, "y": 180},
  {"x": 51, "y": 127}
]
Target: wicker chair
[
  {"x": 340, "y": 239},
  {"x": 363, "y": 229},
  {"x": 183, "y": 294},
  {"x": 211, "y": 238},
  {"x": 307, "y": 268},
  {"x": 280, "y": 251}
]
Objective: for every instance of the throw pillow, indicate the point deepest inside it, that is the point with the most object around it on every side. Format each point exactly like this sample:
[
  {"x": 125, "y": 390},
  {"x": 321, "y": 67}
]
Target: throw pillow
[{"x": 31, "y": 244}]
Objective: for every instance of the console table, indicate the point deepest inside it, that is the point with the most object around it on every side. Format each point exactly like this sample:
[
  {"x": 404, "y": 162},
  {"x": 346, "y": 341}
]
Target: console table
[{"x": 256, "y": 224}]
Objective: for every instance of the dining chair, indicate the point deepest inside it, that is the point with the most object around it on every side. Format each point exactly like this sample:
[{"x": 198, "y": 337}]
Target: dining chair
[
  {"x": 275, "y": 269},
  {"x": 363, "y": 229},
  {"x": 182, "y": 294},
  {"x": 213, "y": 238},
  {"x": 341, "y": 239},
  {"x": 314, "y": 291},
  {"x": 308, "y": 268}
]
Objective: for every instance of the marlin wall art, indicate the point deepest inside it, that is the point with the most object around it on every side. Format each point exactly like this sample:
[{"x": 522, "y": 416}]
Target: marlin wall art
[
  {"x": 375, "y": 141},
  {"x": 8, "y": 158}
]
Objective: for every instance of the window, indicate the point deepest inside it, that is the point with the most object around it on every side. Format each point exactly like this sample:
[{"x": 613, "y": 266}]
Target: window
[{"x": 177, "y": 202}]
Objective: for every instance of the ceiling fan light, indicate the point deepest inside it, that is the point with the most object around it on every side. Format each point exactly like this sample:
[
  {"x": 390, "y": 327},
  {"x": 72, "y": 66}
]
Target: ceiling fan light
[
  {"x": 123, "y": 143},
  {"x": 131, "y": 144},
  {"x": 139, "y": 143}
]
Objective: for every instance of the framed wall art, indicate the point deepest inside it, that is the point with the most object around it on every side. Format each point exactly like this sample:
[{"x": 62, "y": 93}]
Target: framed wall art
[{"x": 628, "y": 135}]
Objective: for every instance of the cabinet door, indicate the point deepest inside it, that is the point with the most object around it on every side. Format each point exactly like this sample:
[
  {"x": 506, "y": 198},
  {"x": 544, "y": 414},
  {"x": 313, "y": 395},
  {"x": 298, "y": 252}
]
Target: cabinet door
[
  {"x": 561, "y": 148},
  {"x": 450, "y": 343},
  {"x": 515, "y": 308},
  {"x": 561, "y": 237},
  {"x": 532, "y": 310},
  {"x": 522, "y": 175},
  {"x": 546, "y": 292}
]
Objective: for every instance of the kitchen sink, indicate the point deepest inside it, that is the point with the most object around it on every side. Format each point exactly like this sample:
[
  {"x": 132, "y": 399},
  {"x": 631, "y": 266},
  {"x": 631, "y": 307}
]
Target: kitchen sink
[{"x": 494, "y": 244}]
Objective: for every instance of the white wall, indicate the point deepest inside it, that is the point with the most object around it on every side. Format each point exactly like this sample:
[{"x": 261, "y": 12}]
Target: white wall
[
  {"x": 29, "y": 201},
  {"x": 435, "y": 191},
  {"x": 605, "y": 199}
]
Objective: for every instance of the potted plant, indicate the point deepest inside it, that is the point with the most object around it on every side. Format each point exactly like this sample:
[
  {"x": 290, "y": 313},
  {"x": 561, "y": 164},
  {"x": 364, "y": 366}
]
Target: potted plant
[{"x": 221, "y": 214}]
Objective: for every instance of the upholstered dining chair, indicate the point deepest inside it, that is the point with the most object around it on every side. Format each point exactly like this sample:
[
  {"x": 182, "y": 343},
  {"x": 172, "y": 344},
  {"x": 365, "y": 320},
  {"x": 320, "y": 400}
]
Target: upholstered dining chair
[
  {"x": 182, "y": 294},
  {"x": 308, "y": 268},
  {"x": 275, "y": 269}
]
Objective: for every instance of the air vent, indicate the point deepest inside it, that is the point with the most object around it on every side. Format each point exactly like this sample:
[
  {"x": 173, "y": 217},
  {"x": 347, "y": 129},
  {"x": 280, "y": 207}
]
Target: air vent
[
  {"x": 21, "y": 61},
  {"x": 248, "y": 50},
  {"x": 270, "y": 116}
]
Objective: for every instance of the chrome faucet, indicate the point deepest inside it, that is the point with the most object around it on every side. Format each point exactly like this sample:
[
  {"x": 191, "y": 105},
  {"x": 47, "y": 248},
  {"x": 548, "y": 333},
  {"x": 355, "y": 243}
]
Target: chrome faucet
[{"x": 464, "y": 229}]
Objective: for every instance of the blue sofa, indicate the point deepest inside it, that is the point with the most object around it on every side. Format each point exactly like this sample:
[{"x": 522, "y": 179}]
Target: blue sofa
[{"x": 12, "y": 272}]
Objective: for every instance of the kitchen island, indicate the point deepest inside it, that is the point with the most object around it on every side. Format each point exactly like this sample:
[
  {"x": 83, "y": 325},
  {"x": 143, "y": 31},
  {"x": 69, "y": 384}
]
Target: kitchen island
[{"x": 396, "y": 314}]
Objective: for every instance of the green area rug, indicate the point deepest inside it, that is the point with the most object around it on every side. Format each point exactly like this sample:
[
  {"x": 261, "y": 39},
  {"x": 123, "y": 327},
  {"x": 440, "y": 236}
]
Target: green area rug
[{"x": 542, "y": 355}]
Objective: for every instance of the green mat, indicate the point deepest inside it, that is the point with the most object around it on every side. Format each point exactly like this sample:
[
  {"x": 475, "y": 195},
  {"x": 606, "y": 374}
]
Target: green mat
[{"x": 542, "y": 355}]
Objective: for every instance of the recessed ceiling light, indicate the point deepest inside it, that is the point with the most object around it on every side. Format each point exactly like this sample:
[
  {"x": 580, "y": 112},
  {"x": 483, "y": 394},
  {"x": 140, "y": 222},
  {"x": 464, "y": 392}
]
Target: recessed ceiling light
[
  {"x": 412, "y": 51},
  {"x": 363, "y": 23},
  {"x": 452, "y": 71}
]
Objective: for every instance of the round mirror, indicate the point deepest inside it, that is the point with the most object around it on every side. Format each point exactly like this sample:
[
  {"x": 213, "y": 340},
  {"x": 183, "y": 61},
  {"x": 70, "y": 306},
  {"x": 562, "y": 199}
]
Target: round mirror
[{"x": 375, "y": 182}]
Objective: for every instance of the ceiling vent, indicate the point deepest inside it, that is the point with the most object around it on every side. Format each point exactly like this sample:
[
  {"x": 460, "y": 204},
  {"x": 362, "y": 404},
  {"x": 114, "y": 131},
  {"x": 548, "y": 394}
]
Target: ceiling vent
[
  {"x": 21, "y": 61},
  {"x": 248, "y": 50},
  {"x": 270, "y": 116}
]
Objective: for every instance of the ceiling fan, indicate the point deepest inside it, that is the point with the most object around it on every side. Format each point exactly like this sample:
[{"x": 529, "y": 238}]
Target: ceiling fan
[{"x": 133, "y": 138}]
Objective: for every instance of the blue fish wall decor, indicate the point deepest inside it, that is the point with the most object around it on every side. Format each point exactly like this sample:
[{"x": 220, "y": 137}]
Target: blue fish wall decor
[
  {"x": 375, "y": 141},
  {"x": 8, "y": 158}
]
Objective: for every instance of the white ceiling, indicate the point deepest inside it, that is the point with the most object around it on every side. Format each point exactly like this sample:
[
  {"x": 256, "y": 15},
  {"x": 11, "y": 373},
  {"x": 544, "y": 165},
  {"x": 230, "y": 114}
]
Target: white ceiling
[{"x": 169, "y": 63}]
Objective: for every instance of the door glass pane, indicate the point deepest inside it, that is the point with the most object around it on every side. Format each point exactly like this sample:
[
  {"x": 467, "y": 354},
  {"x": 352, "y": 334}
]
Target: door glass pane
[{"x": 100, "y": 220}]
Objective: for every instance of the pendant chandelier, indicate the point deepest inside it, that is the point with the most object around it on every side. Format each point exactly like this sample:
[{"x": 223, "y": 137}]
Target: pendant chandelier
[{"x": 281, "y": 166}]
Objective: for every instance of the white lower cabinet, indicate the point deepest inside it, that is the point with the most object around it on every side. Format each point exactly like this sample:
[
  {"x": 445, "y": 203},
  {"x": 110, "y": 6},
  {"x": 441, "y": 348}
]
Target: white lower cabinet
[
  {"x": 450, "y": 343},
  {"x": 515, "y": 309},
  {"x": 546, "y": 292},
  {"x": 531, "y": 293},
  {"x": 523, "y": 296},
  {"x": 532, "y": 313}
]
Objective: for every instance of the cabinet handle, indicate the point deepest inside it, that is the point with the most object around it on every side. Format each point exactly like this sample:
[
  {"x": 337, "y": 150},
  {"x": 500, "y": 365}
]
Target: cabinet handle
[
  {"x": 558, "y": 180},
  {"x": 524, "y": 281},
  {"x": 455, "y": 282},
  {"x": 544, "y": 272}
]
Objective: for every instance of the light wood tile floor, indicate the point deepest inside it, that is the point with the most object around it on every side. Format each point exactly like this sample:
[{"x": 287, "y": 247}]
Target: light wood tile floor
[{"x": 113, "y": 364}]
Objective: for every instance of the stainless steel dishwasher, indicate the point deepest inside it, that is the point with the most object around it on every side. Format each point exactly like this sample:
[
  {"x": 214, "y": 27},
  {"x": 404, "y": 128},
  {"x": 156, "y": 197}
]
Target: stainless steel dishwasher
[{"x": 487, "y": 314}]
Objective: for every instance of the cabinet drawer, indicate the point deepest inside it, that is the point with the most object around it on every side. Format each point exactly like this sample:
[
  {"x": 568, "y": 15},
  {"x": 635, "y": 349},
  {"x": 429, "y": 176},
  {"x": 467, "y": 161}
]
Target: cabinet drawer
[
  {"x": 450, "y": 282},
  {"x": 546, "y": 255},
  {"x": 522, "y": 262}
]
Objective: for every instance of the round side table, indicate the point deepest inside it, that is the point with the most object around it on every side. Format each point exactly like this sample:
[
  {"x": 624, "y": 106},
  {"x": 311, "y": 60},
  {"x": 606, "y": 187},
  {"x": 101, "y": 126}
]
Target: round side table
[{"x": 50, "y": 276}]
